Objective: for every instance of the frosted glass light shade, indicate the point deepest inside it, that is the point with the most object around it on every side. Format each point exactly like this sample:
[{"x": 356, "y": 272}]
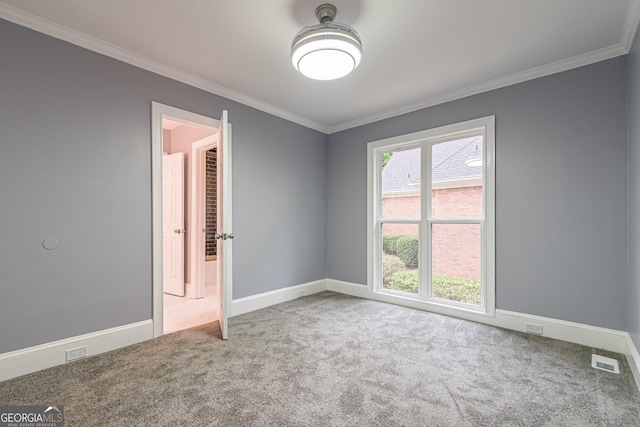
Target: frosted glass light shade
[{"x": 326, "y": 51}]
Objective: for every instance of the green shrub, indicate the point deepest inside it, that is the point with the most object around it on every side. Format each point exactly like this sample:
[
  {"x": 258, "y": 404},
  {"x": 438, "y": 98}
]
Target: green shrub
[
  {"x": 390, "y": 266},
  {"x": 407, "y": 250},
  {"x": 456, "y": 289},
  {"x": 406, "y": 281},
  {"x": 451, "y": 288},
  {"x": 389, "y": 242}
]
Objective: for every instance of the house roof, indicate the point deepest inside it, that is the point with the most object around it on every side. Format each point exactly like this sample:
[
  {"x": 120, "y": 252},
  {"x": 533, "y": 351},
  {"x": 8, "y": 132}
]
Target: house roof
[{"x": 402, "y": 172}]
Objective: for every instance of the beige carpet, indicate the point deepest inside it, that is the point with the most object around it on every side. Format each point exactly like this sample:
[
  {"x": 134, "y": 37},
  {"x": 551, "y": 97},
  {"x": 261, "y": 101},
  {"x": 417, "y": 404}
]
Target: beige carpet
[{"x": 335, "y": 360}]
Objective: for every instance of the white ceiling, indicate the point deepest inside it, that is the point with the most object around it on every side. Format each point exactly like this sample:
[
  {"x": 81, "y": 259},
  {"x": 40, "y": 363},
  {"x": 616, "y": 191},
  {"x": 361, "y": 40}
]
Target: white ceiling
[{"x": 416, "y": 52}]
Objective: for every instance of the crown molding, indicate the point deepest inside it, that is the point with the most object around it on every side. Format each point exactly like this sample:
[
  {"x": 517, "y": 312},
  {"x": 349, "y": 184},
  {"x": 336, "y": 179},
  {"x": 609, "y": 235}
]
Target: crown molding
[
  {"x": 622, "y": 48},
  {"x": 33, "y": 22},
  {"x": 522, "y": 76},
  {"x": 77, "y": 38},
  {"x": 630, "y": 25}
]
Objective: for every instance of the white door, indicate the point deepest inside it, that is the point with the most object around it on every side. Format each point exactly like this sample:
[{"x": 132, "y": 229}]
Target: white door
[
  {"x": 173, "y": 224},
  {"x": 223, "y": 223}
]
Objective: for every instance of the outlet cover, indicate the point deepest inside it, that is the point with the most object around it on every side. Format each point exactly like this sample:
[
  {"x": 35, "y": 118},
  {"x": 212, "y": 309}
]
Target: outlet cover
[{"x": 76, "y": 353}]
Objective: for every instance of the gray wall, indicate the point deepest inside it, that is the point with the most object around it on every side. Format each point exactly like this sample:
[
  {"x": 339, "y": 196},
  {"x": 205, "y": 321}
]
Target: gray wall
[
  {"x": 560, "y": 192},
  {"x": 633, "y": 291},
  {"x": 75, "y": 164}
]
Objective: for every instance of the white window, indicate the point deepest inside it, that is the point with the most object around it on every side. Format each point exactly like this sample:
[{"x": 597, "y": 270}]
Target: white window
[{"x": 431, "y": 217}]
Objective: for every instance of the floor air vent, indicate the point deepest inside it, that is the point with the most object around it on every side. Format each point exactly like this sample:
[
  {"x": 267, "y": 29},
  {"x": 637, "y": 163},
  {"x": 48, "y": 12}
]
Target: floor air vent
[{"x": 605, "y": 363}]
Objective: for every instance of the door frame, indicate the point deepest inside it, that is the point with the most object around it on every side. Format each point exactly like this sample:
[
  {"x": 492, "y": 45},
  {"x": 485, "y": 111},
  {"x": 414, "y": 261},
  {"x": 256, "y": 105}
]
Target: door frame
[
  {"x": 158, "y": 111},
  {"x": 198, "y": 213}
]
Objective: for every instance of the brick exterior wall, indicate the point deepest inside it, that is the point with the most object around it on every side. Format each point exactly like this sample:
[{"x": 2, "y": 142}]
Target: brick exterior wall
[
  {"x": 456, "y": 247},
  {"x": 462, "y": 202},
  {"x": 407, "y": 207},
  {"x": 211, "y": 208},
  {"x": 456, "y": 250}
]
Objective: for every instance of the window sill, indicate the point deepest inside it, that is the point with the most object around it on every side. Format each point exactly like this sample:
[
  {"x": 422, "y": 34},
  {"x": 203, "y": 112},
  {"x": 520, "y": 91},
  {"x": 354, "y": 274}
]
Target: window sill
[{"x": 433, "y": 304}]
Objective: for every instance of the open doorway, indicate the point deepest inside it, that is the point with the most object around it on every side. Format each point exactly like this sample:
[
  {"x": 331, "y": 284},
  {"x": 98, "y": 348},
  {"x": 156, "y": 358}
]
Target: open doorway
[
  {"x": 186, "y": 302},
  {"x": 191, "y": 282}
]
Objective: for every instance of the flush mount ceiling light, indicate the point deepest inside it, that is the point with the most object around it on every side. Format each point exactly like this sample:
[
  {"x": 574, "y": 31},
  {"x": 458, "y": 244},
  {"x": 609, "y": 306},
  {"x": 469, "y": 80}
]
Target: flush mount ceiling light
[{"x": 326, "y": 51}]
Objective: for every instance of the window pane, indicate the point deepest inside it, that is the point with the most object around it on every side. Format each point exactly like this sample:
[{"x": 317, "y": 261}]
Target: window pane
[
  {"x": 456, "y": 264},
  {"x": 400, "y": 257},
  {"x": 401, "y": 184},
  {"x": 456, "y": 175}
]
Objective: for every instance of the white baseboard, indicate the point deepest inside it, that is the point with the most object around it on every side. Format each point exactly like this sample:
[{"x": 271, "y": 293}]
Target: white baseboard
[
  {"x": 593, "y": 336},
  {"x": 188, "y": 290},
  {"x": 256, "y": 302},
  {"x": 363, "y": 291},
  {"x": 633, "y": 357},
  {"x": 579, "y": 333},
  {"x": 43, "y": 356},
  {"x": 32, "y": 359}
]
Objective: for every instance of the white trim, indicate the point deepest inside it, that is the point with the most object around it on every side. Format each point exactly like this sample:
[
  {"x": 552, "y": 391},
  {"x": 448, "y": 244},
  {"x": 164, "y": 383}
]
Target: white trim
[
  {"x": 157, "y": 112},
  {"x": 188, "y": 290},
  {"x": 197, "y": 223},
  {"x": 225, "y": 222},
  {"x": 373, "y": 194},
  {"x": 633, "y": 357},
  {"x": 267, "y": 299},
  {"x": 425, "y": 139},
  {"x": 500, "y": 82},
  {"x": 363, "y": 291},
  {"x": 32, "y": 359},
  {"x": 403, "y": 193},
  {"x": 489, "y": 193},
  {"x": 630, "y": 25},
  {"x": 593, "y": 336},
  {"x": 563, "y": 330},
  {"x": 86, "y": 41}
]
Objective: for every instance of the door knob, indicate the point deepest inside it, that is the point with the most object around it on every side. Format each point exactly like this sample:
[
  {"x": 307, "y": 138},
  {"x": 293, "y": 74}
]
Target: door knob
[
  {"x": 219, "y": 236},
  {"x": 230, "y": 236},
  {"x": 179, "y": 231}
]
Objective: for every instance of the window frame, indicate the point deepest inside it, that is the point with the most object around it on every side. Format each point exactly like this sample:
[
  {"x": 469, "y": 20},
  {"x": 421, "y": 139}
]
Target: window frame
[{"x": 425, "y": 139}]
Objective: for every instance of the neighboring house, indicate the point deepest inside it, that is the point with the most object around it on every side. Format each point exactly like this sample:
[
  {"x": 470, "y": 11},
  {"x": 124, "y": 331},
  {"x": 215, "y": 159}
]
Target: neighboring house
[{"x": 456, "y": 193}]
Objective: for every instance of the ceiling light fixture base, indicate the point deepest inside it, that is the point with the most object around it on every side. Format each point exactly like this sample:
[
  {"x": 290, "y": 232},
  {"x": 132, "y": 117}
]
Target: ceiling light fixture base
[{"x": 326, "y": 13}]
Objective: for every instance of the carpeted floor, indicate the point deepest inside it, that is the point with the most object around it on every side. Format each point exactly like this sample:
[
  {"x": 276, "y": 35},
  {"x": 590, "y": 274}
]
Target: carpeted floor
[{"x": 334, "y": 360}]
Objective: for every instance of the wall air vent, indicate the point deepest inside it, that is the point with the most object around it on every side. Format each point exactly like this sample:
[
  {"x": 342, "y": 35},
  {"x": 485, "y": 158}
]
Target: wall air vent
[{"x": 605, "y": 363}]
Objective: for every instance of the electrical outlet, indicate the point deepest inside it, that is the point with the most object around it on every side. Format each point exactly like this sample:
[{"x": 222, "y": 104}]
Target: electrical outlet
[
  {"x": 532, "y": 328},
  {"x": 76, "y": 353}
]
